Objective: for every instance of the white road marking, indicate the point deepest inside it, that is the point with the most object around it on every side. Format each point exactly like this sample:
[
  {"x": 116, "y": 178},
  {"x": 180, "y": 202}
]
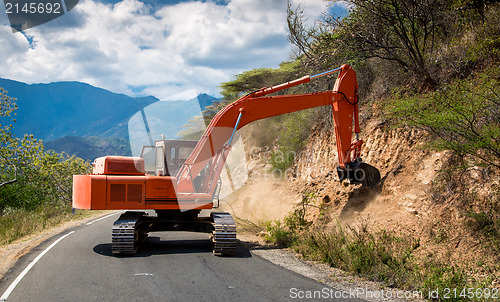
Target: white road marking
[
  {"x": 89, "y": 223},
  {"x": 143, "y": 274},
  {"x": 26, "y": 270}
]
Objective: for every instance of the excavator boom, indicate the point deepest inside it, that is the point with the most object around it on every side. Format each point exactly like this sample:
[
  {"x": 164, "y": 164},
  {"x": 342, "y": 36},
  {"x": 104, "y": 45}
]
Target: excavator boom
[{"x": 256, "y": 105}]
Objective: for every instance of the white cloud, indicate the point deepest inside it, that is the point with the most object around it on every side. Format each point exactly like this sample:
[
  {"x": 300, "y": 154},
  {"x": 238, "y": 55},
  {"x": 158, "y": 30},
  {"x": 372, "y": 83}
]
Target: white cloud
[
  {"x": 129, "y": 48},
  {"x": 311, "y": 8}
]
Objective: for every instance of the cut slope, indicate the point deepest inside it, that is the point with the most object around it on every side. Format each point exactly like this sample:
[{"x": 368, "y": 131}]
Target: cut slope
[{"x": 412, "y": 200}]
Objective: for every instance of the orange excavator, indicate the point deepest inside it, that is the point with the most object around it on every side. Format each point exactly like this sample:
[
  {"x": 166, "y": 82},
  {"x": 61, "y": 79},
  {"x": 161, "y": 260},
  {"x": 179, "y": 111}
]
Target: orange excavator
[{"x": 178, "y": 189}]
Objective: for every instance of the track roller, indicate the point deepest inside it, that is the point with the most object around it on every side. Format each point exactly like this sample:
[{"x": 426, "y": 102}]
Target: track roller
[
  {"x": 126, "y": 236},
  {"x": 223, "y": 237}
]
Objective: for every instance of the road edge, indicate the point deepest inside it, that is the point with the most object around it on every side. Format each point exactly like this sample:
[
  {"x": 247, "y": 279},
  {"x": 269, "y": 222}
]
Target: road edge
[
  {"x": 11, "y": 253},
  {"x": 322, "y": 272}
]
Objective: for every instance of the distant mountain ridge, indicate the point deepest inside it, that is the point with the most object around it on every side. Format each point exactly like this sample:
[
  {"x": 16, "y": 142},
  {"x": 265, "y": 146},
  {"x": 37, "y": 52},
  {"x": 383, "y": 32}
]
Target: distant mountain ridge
[
  {"x": 54, "y": 110},
  {"x": 84, "y": 120},
  {"x": 89, "y": 148}
]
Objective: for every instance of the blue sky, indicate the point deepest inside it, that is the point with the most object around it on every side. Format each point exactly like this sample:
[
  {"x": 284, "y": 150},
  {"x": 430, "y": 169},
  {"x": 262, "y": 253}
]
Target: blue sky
[{"x": 153, "y": 47}]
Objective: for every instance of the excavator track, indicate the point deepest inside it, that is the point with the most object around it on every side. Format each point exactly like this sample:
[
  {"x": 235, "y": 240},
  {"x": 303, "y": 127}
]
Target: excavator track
[
  {"x": 126, "y": 237},
  {"x": 223, "y": 236}
]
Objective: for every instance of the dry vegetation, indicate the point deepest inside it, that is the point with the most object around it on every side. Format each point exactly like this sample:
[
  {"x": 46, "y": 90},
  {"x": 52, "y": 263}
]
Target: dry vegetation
[{"x": 428, "y": 73}]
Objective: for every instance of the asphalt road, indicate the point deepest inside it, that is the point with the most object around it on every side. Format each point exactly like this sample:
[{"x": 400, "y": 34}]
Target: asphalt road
[{"x": 173, "y": 266}]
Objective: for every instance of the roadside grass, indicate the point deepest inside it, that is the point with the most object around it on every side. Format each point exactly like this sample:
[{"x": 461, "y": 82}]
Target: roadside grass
[
  {"x": 245, "y": 225},
  {"x": 382, "y": 256},
  {"x": 287, "y": 233},
  {"x": 18, "y": 223}
]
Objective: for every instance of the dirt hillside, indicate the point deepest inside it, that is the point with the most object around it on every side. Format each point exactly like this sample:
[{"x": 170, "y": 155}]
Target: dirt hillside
[{"x": 416, "y": 196}]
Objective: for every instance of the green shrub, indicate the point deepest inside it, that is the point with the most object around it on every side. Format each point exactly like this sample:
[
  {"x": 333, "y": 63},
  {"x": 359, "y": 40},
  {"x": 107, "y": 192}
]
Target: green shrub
[
  {"x": 42, "y": 192},
  {"x": 286, "y": 234},
  {"x": 279, "y": 234},
  {"x": 295, "y": 128},
  {"x": 463, "y": 116},
  {"x": 385, "y": 256}
]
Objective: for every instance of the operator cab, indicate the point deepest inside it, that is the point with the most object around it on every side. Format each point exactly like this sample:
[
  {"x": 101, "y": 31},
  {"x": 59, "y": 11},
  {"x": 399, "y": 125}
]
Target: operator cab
[{"x": 166, "y": 156}]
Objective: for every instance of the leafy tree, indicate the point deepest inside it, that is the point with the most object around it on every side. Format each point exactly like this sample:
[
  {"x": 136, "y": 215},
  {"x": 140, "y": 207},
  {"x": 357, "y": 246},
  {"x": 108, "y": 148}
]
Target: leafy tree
[
  {"x": 301, "y": 35},
  {"x": 15, "y": 158},
  {"x": 319, "y": 47},
  {"x": 401, "y": 41},
  {"x": 463, "y": 116},
  {"x": 14, "y": 151},
  {"x": 401, "y": 31},
  {"x": 251, "y": 80},
  {"x": 42, "y": 177},
  {"x": 55, "y": 175}
]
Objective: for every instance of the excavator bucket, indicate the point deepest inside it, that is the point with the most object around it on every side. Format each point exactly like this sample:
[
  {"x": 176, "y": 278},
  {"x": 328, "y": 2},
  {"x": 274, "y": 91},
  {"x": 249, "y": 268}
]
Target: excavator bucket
[{"x": 360, "y": 173}]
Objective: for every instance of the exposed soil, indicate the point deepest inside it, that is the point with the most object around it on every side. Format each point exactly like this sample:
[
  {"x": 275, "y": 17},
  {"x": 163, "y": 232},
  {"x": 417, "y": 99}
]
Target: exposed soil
[{"x": 404, "y": 202}]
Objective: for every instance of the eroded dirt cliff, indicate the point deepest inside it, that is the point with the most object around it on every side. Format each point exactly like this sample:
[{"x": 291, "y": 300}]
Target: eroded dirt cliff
[{"x": 420, "y": 195}]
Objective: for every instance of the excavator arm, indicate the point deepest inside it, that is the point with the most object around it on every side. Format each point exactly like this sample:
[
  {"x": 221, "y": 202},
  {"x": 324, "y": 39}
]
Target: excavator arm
[
  {"x": 122, "y": 183},
  {"x": 214, "y": 145}
]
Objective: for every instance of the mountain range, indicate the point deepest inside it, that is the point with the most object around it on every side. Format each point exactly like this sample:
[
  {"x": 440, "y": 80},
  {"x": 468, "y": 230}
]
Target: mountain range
[{"x": 88, "y": 121}]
